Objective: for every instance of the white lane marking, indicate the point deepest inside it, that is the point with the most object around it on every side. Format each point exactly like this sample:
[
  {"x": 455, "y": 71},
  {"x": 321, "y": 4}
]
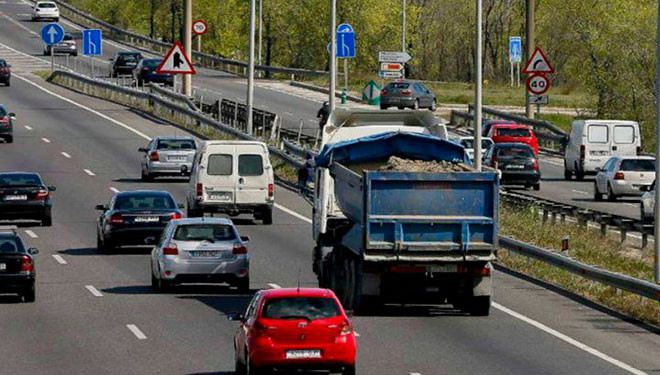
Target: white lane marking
[
  {"x": 580, "y": 192},
  {"x": 114, "y": 190},
  {"x": 45, "y": 140},
  {"x": 356, "y": 334},
  {"x": 93, "y": 290},
  {"x": 415, "y": 373},
  {"x": 136, "y": 331},
  {"x": 293, "y": 213},
  {"x": 274, "y": 286},
  {"x": 59, "y": 259},
  {"x": 84, "y": 107},
  {"x": 31, "y": 234},
  {"x": 569, "y": 340},
  {"x": 28, "y": 127},
  {"x": 66, "y": 155},
  {"x": 15, "y": 22},
  {"x": 631, "y": 204},
  {"x": 89, "y": 172}
]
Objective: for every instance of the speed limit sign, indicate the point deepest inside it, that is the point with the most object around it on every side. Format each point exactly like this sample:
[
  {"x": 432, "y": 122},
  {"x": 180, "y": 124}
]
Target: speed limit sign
[
  {"x": 199, "y": 27},
  {"x": 538, "y": 84}
]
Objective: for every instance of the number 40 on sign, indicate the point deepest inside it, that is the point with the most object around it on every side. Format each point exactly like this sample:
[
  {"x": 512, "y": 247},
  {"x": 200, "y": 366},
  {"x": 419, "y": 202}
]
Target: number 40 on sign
[{"x": 538, "y": 84}]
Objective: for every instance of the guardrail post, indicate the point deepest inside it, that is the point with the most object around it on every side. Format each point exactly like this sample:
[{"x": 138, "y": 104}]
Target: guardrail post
[
  {"x": 645, "y": 240},
  {"x": 302, "y": 122},
  {"x": 603, "y": 229},
  {"x": 545, "y": 214},
  {"x": 624, "y": 234}
]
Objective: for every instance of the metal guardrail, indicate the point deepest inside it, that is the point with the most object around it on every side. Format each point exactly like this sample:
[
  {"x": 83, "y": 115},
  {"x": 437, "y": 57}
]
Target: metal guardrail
[
  {"x": 172, "y": 96},
  {"x": 613, "y": 279},
  {"x": 156, "y": 46}
]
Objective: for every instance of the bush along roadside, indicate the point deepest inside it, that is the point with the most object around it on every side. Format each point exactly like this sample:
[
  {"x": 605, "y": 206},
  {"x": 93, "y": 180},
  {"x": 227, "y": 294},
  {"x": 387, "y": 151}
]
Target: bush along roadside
[{"x": 585, "y": 245}]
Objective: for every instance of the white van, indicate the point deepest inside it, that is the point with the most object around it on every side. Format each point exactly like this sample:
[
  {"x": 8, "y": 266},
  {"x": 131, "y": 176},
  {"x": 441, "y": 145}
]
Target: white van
[
  {"x": 594, "y": 142},
  {"x": 232, "y": 177}
]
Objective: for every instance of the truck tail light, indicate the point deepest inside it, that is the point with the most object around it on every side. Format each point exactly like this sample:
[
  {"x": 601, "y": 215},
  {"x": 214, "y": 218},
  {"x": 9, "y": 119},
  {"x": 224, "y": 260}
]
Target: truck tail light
[
  {"x": 41, "y": 194},
  {"x": 583, "y": 152},
  {"x": 239, "y": 249},
  {"x": 116, "y": 219},
  {"x": 153, "y": 156},
  {"x": 271, "y": 190},
  {"x": 199, "y": 190},
  {"x": 619, "y": 176},
  {"x": 171, "y": 250},
  {"x": 475, "y": 271},
  {"x": 27, "y": 265}
]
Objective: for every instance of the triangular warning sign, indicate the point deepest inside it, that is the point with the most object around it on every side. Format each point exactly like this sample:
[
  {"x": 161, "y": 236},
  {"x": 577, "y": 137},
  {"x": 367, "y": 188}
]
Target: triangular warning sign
[
  {"x": 176, "y": 62},
  {"x": 539, "y": 63}
]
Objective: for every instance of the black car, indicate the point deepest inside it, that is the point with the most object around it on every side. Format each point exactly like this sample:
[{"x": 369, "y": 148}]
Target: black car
[
  {"x": 145, "y": 72},
  {"x": 6, "y": 124},
  {"x": 517, "y": 163},
  {"x": 17, "y": 271},
  {"x": 25, "y": 196},
  {"x": 133, "y": 216},
  {"x": 5, "y": 72},
  {"x": 123, "y": 63}
]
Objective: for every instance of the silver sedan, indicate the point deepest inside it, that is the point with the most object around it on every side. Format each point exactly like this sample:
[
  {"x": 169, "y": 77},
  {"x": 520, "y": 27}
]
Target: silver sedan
[
  {"x": 200, "y": 250},
  {"x": 168, "y": 156}
]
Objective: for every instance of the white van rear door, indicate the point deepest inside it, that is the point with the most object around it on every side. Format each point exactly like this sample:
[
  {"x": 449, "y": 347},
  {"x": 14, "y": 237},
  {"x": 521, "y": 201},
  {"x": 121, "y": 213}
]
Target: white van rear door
[
  {"x": 252, "y": 177},
  {"x": 598, "y": 142},
  {"x": 624, "y": 140},
  {"x": 220, "y": 178}
]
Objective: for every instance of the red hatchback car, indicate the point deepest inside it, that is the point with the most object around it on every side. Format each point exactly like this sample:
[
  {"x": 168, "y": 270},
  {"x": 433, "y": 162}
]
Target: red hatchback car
[
  {"x": 294, "y": 329},
  {"x": 514, "y": 133}
]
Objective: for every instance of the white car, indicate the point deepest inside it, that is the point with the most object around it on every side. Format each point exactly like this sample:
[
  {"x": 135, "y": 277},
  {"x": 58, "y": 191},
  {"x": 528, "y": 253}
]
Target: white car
[
  {"x": 468, "y": 143},
  {"x": 647, "y": 204},
  {"x": 45, "y": 10},
  {"x": 624, "y": 176}
]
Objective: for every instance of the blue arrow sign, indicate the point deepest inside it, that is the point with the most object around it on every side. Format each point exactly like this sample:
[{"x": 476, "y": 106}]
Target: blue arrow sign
[
  {"x": 52, "y": 34},
  {"x": 515, "y": 49},
  {"x": 92, "y": 42},
  {"x": 345, "y": 41}
]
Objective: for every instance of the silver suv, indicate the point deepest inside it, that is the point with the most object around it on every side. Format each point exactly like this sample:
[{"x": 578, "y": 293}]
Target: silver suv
[{"x": 168, "y": 156}]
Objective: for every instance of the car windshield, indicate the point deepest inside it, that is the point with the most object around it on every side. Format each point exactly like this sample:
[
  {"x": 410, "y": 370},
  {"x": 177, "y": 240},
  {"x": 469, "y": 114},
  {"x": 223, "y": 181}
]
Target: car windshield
[
  {"x": 310, "y": 308},
  {"x": 205, "y": 232},
  {"x": 3, "y": 111},
  {"x": 176, "y": 144},
  {"x": 644, "y": 165},
  {"x": 22, "y": 179},
  {"x": 513, "y": 132},
  {"x": 469, "y": 143},
  {"x": 144, "y": 202},
  {"x": 151, "y": 63},
  {"x": 9, "y": 245},
  {"x": 3, "y": 63},
  {"x": 398, "y": 85},
  {"x": 46, "y": 5},
  {"x": 68, "y": 37},
  {"x": 514, "y": 153},
  {"x": 129, "y": 58}
]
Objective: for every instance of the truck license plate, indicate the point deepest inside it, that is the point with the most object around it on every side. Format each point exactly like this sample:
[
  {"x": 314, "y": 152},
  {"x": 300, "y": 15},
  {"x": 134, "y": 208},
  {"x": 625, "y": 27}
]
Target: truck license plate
[
  {"x": 442, "y": 268},
  {"x": 3, "y": 267},
  {"x": 225, "y": 197},
  {"x": 295, "y": 354}
]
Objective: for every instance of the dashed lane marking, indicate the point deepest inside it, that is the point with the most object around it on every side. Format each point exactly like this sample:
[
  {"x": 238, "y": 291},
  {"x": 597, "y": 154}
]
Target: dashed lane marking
[
  {"x": 89, "y": 172},
  {"x": 28, "y": 127},
  {"x": 136, "y": 331},
  {"x": 93, "y": 290},
  {"x": 31, "y": 234},
  {"x": 114, "y": 190},
  {"x": 59, "y": 259},
  {"x": 45, "y": 140},
  {"x": 66, "y": 155},
  {"x": 274, "y": 286}
]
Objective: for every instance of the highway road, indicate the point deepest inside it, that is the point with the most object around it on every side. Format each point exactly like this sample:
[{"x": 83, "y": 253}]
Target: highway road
[
  {"x": 95, "y": 313},
  {"x": 292, "y": 104}
]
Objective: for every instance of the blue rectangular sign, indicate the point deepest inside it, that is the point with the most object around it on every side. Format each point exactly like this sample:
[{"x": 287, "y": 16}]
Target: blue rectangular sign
[
  {"x": 92, "y": 42},
  {"x": 515, "y": 50},
  {"x": 345, "y": 42}
]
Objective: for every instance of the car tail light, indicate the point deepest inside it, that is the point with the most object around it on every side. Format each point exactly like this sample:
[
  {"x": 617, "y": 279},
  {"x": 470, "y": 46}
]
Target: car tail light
[
  {"x": 261, "y": 330},
  {"x": 27, "y": 265},
  {"x": 619, "y": 176},
  {"x": 170, "y": 250},
  {"x": 384, "y": 92},
  {"x": 271, "y": 190},
  {"x": 239, "y": 249},
  {"x": 346, "y": 328},
  {"x": 4, "y": 119},
  {"x": 153, "y": 156},
  {"x": 116, "y": 219},
  {"x": 583, "y": 152},
  {"x": 536, "y": 165},
  {"x": 175, "y": 215},
  {"x": 41, "y": 194},
  {"x": 4, "y": 70},
  {"x": 199, "y": 190},
  {"x": 406, "y": 92}
]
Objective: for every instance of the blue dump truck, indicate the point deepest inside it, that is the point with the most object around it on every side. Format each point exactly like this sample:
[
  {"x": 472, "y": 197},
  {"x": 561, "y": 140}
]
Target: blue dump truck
[{"x": 390, "y": 236}]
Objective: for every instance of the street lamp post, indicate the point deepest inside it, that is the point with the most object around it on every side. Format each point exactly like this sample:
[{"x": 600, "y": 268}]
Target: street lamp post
[
  {"x": 187, "y": 44},
  {"x": 333, "y": 53},
  {"x": 478, "y": 87},
  {"x": 250, "y": 88},
  {"x": 261, "y": 26}
]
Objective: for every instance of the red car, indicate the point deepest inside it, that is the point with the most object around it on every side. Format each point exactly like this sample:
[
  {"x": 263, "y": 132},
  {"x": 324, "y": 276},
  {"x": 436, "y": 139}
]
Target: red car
[
  {"x": 514, "y": 133},
  {"x": 489, "y": 123},
  {"x": 294, "y": 329}
]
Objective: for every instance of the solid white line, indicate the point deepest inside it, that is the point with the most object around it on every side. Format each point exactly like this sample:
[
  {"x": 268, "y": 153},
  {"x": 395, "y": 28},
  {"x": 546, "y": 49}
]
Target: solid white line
[
  {"x": 66, "y": 155},
  {"x": 415, "y": 373},
  {"x": 59, "y": 259},
  {"x": 293, "y": 213},
  {"x": 28, "y": 127},
  {"x": 31, "y": 234},
  {"x": 274, "y": 286},
  {"x": 94, "y": 291},
  {"x": 89, "y": 172},
  {"x": 580, "y": 192},
  {"x": 114, "y": 190},
  {"x": 136, "y": 331},
  {"x": 569, "y": 340},
  {"x": 45, "y": 140}
]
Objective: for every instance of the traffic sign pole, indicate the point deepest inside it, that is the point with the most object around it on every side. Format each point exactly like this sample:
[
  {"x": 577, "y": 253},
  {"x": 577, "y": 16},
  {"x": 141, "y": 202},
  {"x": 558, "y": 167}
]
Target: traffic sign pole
[
  {"x": 656, "y": 208},
  {"x": 478, "y": 88},
  {"x": 529, "y": 41},
  {"x": 187, "y": 41},
  {"x": 52, "y": 60},
  {"x": 333, "y": 53},
  {"x": 250, "y": 92}
]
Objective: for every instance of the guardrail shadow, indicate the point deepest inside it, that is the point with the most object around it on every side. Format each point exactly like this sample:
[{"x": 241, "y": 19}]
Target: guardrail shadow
[{"x": 92, "y": 251}]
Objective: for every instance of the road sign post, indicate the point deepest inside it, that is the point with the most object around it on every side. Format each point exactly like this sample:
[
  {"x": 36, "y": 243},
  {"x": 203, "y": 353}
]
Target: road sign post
[
  {"x": 345, "y": 47},
  {"x": 52, "y": 34},
  {"x": 515, "y": 56}
]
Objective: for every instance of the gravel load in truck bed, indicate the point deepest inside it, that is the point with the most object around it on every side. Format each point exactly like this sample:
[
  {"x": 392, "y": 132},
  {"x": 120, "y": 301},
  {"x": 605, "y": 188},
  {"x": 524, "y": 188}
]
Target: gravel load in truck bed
[{"x": 397, "y": 164}]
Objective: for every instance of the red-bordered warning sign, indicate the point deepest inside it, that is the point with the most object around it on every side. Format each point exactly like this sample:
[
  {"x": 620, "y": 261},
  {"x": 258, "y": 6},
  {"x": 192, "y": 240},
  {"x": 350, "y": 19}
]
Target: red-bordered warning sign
[
  {"x": 538, "y": 63},
  {"x": 176, "y": 61}
]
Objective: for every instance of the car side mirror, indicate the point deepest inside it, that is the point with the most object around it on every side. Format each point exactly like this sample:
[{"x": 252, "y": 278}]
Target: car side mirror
[
  {"x": 101, "y": 207},
  {"x": 181, "y": 205},
  {"x": 52, "y": 188},
  {"x": 33, "y": 251},
  {"x": 143, "y": 149},
  {"x": 235, "y": 317},
  {"x": 12, "y": 115},
  {"x": 245, "y": 238},
  {"x": 150, "y": 241}
]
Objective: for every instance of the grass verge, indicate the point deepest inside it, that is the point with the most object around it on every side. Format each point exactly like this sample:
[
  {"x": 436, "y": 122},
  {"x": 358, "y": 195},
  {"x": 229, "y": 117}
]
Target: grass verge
[{"x": 587, "y": 246}]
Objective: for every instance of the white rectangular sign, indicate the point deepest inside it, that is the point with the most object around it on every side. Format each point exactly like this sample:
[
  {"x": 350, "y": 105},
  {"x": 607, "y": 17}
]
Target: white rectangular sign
[
  {"x": 538, "y": 99},
  {"x": 398, "y": 74},
  {"x": 400, "y": 57}
]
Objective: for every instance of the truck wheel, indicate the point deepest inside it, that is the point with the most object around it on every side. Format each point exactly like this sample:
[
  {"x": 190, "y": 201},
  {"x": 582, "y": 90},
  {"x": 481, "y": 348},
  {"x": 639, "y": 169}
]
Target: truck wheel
[
  {"x": 243, "y": 285},
  {"x": 597, "y": 195},
  {"x": 191, "y": 212},
  {"x": 479, "y": 306},
  {"x": 267, "y": 216}
]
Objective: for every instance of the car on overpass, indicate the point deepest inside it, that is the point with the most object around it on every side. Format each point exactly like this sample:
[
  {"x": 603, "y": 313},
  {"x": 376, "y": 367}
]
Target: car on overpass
[
  {"x": 133, "y": 216},
  {"x": 517, "y": 163},
  {"x": 200, "y": 251},
  {"x": 168, "y": 156},
  {"x": 6, "y": 124},
  {"x": 624, "y": 176},
  {"x": 407, "y": 94},
  {"x": 123, "y": 63},
  {"x": 145, "y": 72},
  {"x": 25, "y": 196},
  {"x": 17, "y": 265},
  {"x": 294, "y": 329},
  {"x": 67, "y": 46},
  {"x": 5, "y": 72},
  {"x": 45, "y": 10}
]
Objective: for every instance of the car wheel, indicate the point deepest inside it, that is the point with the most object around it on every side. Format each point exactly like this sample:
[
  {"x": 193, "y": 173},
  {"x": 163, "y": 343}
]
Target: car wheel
[
  {"x": 9, "y": 139},
  {"x": 74, "y": 54},
  {"x": 597, "y": 195},
  {"x": 567, "y": 174},
  {"x": 433, "y": 106},
  {"x": 479, "y": 306},
  {"x": 416, "y": 105},
  {"x": 243, "y": 285},
  {"x": 165, "y": 286},
  {"x": 30, "y": 294},
  {"x": 537, "y": 187},
  {"x": 383, "y": 106},
  {"x": 240, "y": 368},
  {"x": 610, "y": 194},
  {"x": 146, "y": 177},
  {"x": 348, "y": 370},
  {"x": 47, "y": 220},
  {"x": 8, "y": 83},
  {"x": 267, "y": 216}
]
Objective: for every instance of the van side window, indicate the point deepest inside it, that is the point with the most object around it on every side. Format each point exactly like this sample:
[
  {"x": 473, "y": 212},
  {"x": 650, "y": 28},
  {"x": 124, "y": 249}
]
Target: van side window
[
  {"x": 598, "y": 134},
  {"x": 250, "y": 165},
  {"x": 220, "y": 165},
  {"x": 624, "y": 134}
]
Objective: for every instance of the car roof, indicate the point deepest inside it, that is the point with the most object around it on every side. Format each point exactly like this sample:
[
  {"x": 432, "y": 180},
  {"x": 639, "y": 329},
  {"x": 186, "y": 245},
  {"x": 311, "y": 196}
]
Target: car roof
[
  {"x": 19, "y": 173},
  {"x": 129, "y": 53},
  {"x": 203, "y": 220},
  {"x": 296, "y": 292},
  {"x": 640, "y": 157},
  {"x": 143, "y": 193},
  {"x": 174, "y": 138}
]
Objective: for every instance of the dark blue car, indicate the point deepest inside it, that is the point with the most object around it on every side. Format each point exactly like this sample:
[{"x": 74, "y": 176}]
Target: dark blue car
[{"x": 145, "y": 72}]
